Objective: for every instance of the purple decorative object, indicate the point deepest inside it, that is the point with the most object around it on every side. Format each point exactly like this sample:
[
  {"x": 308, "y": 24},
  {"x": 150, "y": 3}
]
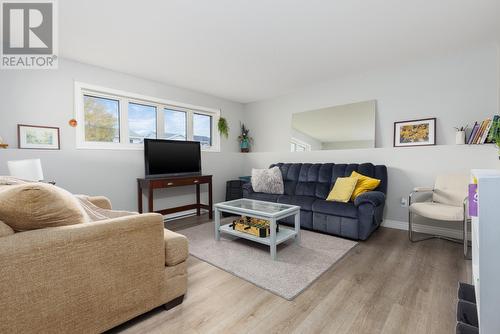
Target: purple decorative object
[{"x": 473, "y": 200}]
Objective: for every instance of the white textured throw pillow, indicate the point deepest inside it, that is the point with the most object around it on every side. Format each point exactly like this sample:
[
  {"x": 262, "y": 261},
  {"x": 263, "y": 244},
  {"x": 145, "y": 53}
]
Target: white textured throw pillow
[{"x": 267, "y": 181}]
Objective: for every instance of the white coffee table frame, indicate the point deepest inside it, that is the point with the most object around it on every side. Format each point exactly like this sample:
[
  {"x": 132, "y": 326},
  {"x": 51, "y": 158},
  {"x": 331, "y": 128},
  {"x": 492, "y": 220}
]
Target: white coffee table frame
[{"x": 272, "y": 216}]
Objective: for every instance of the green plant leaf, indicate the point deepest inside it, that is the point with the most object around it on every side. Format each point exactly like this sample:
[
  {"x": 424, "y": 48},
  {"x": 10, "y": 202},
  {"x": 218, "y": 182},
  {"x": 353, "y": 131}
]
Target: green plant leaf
[{"x": 223, "y": 127}]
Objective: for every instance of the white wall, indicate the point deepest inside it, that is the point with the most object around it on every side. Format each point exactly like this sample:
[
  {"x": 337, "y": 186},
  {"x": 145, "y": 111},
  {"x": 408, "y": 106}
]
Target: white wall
[
  {"x": 47, "y": 98},
  {"x": 457, "y": 89},
  {"x": 339, "y": 145}
]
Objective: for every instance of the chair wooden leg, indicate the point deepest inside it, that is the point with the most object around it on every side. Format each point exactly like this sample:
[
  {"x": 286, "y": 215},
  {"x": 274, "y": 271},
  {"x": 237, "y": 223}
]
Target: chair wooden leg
[{"x": 173, "y": 303}]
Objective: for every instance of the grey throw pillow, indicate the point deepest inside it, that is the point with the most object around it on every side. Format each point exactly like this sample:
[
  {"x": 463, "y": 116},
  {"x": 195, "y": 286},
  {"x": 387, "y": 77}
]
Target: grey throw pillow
[{"x": 267, "y": 181}]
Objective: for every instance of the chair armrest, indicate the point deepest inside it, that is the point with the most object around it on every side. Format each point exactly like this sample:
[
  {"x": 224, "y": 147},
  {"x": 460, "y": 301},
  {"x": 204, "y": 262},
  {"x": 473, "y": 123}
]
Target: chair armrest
[
  {"x": 419, "y": 190},
  {"x": 375, "y": 198},
  {"x": 423, "y": 189},
  {"x": 247, "y": 188}
]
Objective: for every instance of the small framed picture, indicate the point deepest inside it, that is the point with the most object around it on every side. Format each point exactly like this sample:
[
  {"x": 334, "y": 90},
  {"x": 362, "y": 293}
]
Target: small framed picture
[
  {"x": 419, "y": 132},
  {"x": 38, "y": 137}
]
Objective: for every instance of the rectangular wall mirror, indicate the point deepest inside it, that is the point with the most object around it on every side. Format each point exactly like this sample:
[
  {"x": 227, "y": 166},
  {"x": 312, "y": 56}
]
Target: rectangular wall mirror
[{"x": 346, "y": 126}]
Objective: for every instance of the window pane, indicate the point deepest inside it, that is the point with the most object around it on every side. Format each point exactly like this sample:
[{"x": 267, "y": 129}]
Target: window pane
[
  {"x": 202, "y": 129},
  {"x": 102, "y": 119},
  {"x": 141, "y": 122},
  {"x": 175, "y": 124}
]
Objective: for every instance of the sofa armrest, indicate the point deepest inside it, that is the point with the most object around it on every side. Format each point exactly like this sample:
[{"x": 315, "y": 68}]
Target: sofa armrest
[
  {"x": 100, "y": 201},
  {"x": 247, "y": 189},
  {"x": 375, "y": 198},
  {"x": 176, "y": 248},
  {"x": 64, "y": 272}
]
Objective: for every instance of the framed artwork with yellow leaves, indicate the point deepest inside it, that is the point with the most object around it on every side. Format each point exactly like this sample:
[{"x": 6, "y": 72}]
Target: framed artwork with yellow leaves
[{"x": 419, "y": 132}]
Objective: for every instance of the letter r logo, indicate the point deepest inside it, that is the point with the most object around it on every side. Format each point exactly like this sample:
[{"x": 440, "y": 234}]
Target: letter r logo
[{"x": 27, "y": 28}]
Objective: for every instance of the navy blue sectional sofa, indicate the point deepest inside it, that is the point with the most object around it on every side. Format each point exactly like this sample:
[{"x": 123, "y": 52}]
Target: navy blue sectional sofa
[{"x": 308, "y": 185}]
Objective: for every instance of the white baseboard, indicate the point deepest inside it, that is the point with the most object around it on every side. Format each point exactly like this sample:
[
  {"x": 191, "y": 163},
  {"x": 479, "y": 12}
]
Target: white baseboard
[
  {"x": 427, "y": 229},
  {"x": 179, "y": 215}
]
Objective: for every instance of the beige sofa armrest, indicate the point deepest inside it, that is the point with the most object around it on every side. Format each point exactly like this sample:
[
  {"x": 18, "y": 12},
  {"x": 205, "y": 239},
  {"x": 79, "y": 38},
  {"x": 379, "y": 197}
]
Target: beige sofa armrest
[
  {"x": 105, "y": 271},
  {"x": 176, "y": 248},
  {"x": 100, "y": 201}
]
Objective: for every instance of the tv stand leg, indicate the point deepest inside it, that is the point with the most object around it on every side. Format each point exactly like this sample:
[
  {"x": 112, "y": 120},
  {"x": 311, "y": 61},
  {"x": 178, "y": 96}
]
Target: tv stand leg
[
  {"x": 198, "y": 200},
  {"x": 139, "y": 196},
  {"x": 210, "y": 201},
  {"x": 150, "y": 199}
]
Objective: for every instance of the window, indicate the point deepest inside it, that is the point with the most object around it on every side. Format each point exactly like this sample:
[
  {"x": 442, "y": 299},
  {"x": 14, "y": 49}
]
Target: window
[
  {"x": 297, "y": 145},
  {"x": 101, "y": 119},
  {"x": 202, "y": 129},
  {"x": 175, "y": 124},
  {"x": 115, "y": 119},
  {"x": 141, "y": 122}
]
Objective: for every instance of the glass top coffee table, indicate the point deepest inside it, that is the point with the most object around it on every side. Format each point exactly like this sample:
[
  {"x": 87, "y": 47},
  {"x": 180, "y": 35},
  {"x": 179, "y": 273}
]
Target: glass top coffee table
[{"x": 263, "y": 210}]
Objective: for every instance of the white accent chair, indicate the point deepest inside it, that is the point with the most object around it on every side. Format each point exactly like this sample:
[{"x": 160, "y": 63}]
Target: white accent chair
[
  {"x": 448, "y": 203},
  {"x": 29, "y": 170}
]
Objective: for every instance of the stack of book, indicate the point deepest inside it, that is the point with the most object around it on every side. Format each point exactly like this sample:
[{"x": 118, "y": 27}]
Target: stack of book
[{"x": 485, "y": 131}]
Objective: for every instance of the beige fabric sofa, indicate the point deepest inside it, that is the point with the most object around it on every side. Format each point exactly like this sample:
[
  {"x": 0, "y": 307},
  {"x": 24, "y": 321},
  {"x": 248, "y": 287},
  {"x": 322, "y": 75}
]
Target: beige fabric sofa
[{"x": 88, "y": 278}]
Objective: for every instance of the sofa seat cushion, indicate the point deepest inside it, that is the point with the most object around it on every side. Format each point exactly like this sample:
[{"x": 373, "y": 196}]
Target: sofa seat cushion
[
  {"x": 335, "y": 208},
  {"x": 305, "y": 202},
  {"x": 38, "y": 205},
  {"x": 176, "y": 248}
]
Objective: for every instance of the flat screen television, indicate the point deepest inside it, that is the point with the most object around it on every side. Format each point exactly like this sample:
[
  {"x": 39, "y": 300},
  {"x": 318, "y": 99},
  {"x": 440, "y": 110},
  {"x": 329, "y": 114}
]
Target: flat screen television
[{"x": 171, "y": 158}]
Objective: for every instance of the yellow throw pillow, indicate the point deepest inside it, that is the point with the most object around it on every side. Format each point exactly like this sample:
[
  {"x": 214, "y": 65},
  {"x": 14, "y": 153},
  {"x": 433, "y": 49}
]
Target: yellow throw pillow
[
  {"x": 342, "y": 189},
  {"x": 364, "y": 184}
]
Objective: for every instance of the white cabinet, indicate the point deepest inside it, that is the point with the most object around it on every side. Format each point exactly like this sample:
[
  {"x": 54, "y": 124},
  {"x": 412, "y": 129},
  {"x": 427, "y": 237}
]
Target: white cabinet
[{"x": 486, "y": 250}]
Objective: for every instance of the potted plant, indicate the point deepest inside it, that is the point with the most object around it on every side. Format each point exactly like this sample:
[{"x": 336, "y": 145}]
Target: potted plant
[
  {"x": 244, "y": 139},
  {"x": 496, "y": 137},
  {"x": 223, "y": 127}
]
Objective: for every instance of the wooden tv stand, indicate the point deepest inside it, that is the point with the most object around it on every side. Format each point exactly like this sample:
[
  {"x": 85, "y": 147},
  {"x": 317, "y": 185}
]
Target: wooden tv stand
[{"x": 177, "y": 181}]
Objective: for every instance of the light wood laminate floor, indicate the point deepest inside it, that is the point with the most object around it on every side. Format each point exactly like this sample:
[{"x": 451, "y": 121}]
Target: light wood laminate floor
[{"x": 384, "y": 285}]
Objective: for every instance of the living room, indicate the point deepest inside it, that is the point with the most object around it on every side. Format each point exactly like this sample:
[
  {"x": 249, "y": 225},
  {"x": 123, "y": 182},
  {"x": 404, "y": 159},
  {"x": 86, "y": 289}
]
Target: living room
[{"x": 260, "y": 66}]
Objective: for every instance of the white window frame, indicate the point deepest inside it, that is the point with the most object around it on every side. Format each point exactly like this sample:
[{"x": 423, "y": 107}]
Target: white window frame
[
  {"x": 298, "y": 142},
  {"x": 124, "y": 98}
]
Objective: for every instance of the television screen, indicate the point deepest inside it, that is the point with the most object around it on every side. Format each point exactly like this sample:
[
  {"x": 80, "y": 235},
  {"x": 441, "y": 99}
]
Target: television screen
[{"x": 171, "y": 157}]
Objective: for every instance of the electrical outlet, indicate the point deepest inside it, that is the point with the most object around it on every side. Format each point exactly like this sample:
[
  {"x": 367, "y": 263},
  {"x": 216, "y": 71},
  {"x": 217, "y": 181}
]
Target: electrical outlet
[{"x": 404, "y": 202}]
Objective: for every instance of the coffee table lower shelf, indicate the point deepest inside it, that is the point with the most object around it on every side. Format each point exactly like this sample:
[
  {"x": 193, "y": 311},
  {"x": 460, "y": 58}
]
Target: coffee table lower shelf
[{"x": 283, "y": 235}]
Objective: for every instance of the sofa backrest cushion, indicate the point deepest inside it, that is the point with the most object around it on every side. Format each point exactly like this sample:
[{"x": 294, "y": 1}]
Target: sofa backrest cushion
[
  {"x": 290, "y": 173},
  {"x": 38, "y": 205},
  {"x": 306, "y": 179}
]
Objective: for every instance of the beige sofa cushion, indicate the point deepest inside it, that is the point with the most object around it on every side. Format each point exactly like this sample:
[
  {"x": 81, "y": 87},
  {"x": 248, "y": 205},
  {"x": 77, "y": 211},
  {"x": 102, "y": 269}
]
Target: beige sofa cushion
[
  {"x": 176, "y": 248},
  {"x": 33, "y": 206},
  {"x": 5, "y": 230}
]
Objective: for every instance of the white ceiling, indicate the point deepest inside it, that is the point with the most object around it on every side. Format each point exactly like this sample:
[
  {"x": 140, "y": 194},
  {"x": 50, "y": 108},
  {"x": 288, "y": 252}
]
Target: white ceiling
[{"x": 248, "y": 50}]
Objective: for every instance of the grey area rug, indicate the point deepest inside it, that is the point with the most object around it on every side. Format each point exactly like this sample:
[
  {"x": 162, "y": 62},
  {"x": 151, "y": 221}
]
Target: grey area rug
[{"x": 296, "y": 267}]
